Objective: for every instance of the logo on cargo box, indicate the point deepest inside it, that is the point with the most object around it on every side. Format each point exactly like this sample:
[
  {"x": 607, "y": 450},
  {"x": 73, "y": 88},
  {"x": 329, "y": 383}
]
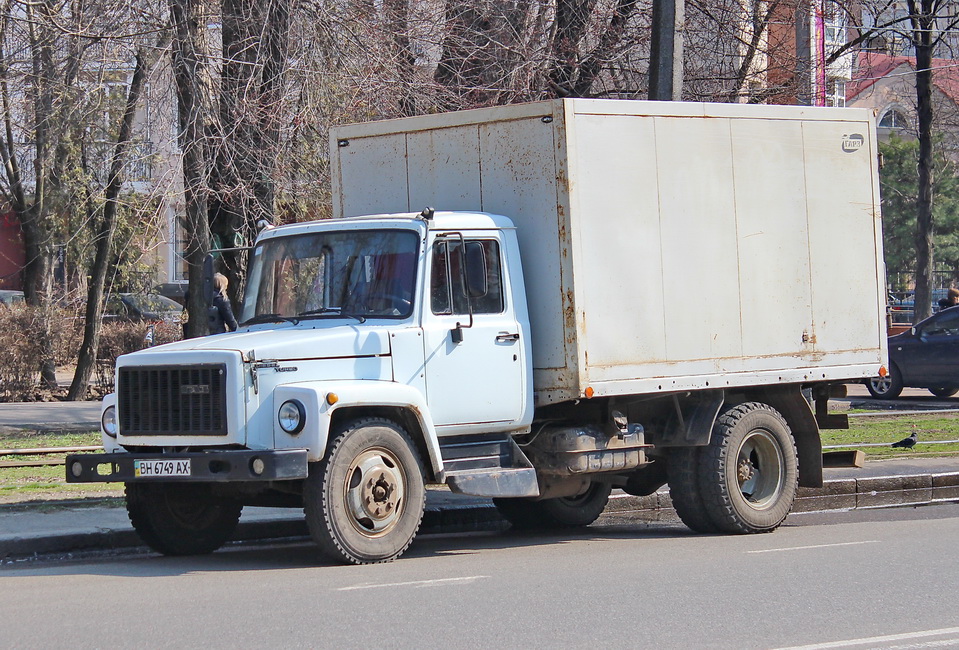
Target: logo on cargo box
[
  {"x": 852, "y": 142},
  {"x": 195, "y": 389}
]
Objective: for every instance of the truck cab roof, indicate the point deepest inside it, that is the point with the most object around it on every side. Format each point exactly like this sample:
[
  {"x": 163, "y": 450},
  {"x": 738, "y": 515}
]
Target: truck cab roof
[{"x": 444, "y": 220}]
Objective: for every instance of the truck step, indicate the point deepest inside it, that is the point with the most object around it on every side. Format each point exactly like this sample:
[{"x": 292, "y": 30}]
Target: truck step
[
  {"x": 500, "y": 482},
  {"x": 464, "y": 453},
  {"x": 488, "y": 466}
]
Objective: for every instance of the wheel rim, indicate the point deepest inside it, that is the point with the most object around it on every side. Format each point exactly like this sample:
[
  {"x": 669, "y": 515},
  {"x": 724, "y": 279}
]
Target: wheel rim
[
  {"x": 760, "y": 469},
  {"x": 881, "y": 384},
  {"x": 374, "y": 492}
]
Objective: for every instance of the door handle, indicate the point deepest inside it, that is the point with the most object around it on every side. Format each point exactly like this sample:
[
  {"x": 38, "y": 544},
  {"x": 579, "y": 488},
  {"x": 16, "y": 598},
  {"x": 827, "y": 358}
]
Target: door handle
[{"x": 506, "y": 337}]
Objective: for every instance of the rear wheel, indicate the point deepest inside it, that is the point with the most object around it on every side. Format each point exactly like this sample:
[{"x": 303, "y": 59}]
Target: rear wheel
[
  {"x": 684, "y": 492},
  {"x": 944, "y": 392},
  {"x": 561, "y": 512},
  {"x": 748, "y": 474},
  {"x": 888, "y": 387},
  {"x": 181, "y": 518},
  {"x": 364, "y": 501}
]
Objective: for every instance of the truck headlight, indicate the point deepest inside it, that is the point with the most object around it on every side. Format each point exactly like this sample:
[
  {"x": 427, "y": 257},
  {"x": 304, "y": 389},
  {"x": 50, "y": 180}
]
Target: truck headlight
[
  {"x": 109, "y": 421},
  {"x": 292, "y": 416}
]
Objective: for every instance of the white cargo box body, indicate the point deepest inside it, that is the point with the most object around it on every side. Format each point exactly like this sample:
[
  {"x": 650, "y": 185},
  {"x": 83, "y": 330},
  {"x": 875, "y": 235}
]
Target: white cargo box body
[{"x": 665, "y": 246}]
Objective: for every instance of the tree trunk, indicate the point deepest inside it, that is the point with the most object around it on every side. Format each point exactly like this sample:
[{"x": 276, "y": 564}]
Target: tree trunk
[
  {"x": 38, "y": 271},
  {"x": 923, "y": 24},
  {"x": 86, "y": 361},
  {"x": 189, "y": 93},
  {"x": 255, "y": 50}
]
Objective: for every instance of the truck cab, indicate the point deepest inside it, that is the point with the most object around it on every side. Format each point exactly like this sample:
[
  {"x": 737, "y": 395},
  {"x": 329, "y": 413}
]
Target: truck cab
[{"x": 416, "y": 323}]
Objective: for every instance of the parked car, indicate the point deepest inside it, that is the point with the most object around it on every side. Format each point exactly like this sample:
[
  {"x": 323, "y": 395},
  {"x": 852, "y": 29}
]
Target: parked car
[
  {"x": 9, "y": 297},
  {"x": 137, "y": 307},
  {"x": 925, "y": 356}
]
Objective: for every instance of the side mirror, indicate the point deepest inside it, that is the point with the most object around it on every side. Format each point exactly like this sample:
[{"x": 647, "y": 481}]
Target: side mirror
[{"x": 476, "y": 285}]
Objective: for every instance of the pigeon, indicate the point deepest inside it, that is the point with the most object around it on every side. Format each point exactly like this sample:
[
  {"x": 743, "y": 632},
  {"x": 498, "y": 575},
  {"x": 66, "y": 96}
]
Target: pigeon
[{"x": 907, "y": 443}]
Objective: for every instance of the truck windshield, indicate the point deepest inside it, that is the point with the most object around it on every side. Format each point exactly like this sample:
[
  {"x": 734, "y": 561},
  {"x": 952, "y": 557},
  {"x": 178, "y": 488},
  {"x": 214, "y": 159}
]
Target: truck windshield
[{"x": 358, "y": 274}]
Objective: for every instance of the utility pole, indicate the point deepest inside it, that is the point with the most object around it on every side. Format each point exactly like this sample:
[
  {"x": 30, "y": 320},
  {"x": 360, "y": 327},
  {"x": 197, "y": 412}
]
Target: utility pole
[
  {"x": 803, "y": 54},
  {"x": 666, "y": 50}
]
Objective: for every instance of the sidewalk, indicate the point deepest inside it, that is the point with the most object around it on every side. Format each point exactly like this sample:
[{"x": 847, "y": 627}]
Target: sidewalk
[
  {"x": 61, "y": 529},
  {"x": 82, "y": 416}
]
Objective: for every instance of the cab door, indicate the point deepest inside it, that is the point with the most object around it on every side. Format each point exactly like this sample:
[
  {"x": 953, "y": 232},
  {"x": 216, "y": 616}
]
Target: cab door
[{"x": 474, "y": 350}]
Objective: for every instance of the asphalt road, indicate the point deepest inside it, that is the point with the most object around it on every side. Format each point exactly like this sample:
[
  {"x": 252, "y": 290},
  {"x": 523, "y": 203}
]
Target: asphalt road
[{"x": 885, "y": 578}]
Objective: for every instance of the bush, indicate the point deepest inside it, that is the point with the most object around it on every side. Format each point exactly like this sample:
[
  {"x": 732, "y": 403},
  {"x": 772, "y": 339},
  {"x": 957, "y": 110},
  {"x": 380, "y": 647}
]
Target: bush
[
  {"x": 21, "y": 350},
  {"x": 119, "y": 338}
]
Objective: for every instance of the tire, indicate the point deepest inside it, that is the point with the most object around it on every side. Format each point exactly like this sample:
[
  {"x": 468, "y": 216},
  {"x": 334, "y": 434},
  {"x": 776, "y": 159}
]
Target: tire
[
  {"x": 561, "y": 512},
  {"x": 888, "y": 387},
  {"x": 364, "y": 501},
  {"x": 944, "y": 392},
  {"x": 181, "y": 518},
  {"x": 748, "y": 474},
  {"x": 683, "y": 468}
]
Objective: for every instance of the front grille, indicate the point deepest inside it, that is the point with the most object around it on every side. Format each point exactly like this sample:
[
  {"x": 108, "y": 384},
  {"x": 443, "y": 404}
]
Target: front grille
[{"x": 177, "y": 400}]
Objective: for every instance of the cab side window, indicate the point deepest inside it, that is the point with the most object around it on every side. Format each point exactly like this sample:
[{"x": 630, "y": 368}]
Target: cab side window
[{"x": 448, "y": 293}]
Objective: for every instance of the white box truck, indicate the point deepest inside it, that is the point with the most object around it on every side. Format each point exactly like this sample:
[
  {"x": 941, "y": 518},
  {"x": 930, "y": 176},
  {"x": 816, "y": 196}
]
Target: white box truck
[{"x": 602, "y": 294}]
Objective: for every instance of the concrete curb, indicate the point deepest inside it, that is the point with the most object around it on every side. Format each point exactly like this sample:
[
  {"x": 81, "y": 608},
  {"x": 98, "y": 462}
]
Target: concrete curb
[{"x": 836, "y": 494}]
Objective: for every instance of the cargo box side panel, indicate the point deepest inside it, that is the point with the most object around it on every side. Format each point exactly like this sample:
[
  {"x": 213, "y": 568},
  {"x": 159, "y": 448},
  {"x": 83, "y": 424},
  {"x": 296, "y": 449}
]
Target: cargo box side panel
[
  {"x": 773, "y": 238},
  {"x": 522, "y": 179},
  {"x": 698, "y": 245},
  {"x": 840, "y": 164},
  {"x": 656, "y": 265},
  {"x": 371, "y": 176},
  {"x": 444, "y": 169},
  {"x": 701, "y": 280},
  {"x": 618, "y": 253}
]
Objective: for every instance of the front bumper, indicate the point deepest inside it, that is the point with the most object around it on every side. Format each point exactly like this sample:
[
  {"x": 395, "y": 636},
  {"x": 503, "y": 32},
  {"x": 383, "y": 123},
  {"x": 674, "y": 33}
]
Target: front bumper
[{"x": 205, "y": 466}]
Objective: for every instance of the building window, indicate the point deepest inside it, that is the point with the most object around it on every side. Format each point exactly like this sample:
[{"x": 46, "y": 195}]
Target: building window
[
  {"x": 893, "y": 119},
  {"x": 835, "y": 92},
  {"x": 180, "y": 266}
]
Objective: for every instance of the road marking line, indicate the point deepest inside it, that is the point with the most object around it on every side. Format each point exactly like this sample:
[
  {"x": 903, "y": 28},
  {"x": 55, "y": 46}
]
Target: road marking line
[
  {"x": 416, "y": 583},
  {"x": 875, "y": 639},
  {"x": 803, "y": 548}
]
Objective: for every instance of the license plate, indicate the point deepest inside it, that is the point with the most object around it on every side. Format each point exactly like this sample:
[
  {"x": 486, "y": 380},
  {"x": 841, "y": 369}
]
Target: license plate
[{"x": 156, "y": 467}]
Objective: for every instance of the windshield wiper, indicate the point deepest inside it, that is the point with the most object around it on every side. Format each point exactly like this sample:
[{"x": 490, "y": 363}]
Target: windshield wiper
[
  {"x": 269, "y": 318},
  {"x": 336, "y": 311}
]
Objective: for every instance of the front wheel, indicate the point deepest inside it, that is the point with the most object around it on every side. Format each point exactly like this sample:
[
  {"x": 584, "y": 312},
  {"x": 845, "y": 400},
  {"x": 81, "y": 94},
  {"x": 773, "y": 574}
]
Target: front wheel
[
  {"x": 888, "y": 387},
  {"x": 748, "y": 474},
  {"x": 560, "y": 512},
  {"x": 181, "y": 518},
  {"x": 364, "y": 501}
]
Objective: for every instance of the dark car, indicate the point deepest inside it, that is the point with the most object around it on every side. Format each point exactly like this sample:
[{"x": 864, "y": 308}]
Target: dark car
[
  {"x": 926, "y": 356},
  {"x": 148, "y": 307},
  {"x": 9, "y": 297}
]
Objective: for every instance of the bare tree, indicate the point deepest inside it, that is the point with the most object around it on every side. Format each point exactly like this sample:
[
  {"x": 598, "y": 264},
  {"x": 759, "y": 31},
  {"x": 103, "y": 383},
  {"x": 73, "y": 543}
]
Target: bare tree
[
  {"x": 188, "y": 75},
  {"x": 255, "y": 47},
  {"x": 106, "y": 229},
  {"x": 39, "y": 67}
]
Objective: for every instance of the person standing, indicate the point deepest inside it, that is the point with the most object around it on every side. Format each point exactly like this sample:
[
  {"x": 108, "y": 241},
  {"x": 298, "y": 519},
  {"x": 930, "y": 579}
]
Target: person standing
[
  {"x": 951, "y": 299},
  {"x": 221, "y": 317}
]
